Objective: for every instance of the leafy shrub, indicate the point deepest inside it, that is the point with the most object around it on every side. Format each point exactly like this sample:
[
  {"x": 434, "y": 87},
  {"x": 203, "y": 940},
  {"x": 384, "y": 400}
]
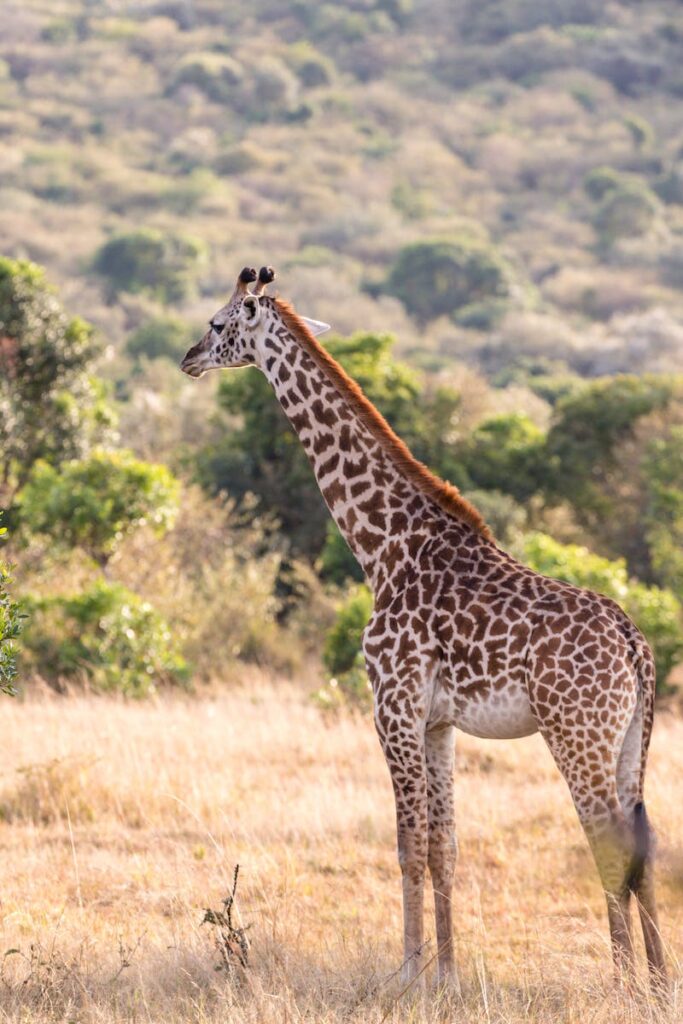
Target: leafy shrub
[
  {"x": 533, "y": 53},
  {"x": 312, "y": 68},
  {"x": 343, "y": 641},
  {"x": 437, "y": 278},
  {"x": 627, "y": 211},
  {"x": 107, "y": 635},
  {"x": 656, "y": 612},
  {"x": 10, "y": 622},
  {"x": 95, "y": 502},
  {"x": 342, "y": 655},
  {"x": 163, "y": 265},
  {"x": 215, "y": 74},
  {"x": 601, "y": 180},
  {"x": 165, "y": 336}
]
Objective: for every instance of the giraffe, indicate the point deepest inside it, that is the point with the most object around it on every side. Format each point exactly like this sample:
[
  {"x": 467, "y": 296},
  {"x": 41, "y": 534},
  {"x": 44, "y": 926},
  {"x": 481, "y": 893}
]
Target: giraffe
[{"x": 462, "y": 636}]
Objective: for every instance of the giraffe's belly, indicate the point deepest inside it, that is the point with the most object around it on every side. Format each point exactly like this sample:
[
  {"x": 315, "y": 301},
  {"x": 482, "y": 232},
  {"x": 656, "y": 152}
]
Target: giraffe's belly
[{"x": 497, "y": 710}]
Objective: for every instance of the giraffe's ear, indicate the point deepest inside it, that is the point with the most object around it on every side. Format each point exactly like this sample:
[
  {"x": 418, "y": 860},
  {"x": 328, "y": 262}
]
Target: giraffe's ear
[
  {"x": 251, "y": 311},
  {"x": 315, "y": 326}
]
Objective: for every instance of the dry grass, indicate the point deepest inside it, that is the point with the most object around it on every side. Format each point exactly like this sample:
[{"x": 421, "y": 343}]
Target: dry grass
[{"x": 120, "y": 823}]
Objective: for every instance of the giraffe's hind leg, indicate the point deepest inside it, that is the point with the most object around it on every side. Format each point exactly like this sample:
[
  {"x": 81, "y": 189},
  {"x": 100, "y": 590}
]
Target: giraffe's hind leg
[
  {"x": 586, "y": 743},
  {"x": 629, "y": 784}
]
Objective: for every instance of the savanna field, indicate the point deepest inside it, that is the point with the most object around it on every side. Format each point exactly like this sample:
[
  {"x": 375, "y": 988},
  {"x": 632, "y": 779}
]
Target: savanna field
[{"x": 121, "y": 823}]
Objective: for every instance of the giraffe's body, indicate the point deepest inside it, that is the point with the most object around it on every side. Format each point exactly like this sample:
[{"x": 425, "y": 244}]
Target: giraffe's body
[{"x": 462, "y": 636}]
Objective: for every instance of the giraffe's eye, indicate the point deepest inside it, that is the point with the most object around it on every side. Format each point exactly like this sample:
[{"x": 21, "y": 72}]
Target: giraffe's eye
[{"x": 216, "y": 327}]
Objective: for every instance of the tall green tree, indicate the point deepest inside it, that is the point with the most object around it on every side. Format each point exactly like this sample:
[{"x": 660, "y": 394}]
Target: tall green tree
[
  {"x": 663, "y": 519},
  {"x": 51, "y": 407},
  {"x": 505, "y": 453},
  {"x": 441, "y": 278},
  {"x": 587, "y": 427},
  {"x": 163, "y": 265}
]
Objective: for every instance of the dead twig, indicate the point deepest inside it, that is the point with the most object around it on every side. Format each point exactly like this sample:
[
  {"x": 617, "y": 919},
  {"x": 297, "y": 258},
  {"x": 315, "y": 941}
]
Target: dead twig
[{"x": 231, "y": 942}]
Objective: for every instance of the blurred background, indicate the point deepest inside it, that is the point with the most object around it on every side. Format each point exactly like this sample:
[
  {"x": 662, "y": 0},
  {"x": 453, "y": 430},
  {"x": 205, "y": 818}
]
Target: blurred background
[{"x": 485, "y": 200}]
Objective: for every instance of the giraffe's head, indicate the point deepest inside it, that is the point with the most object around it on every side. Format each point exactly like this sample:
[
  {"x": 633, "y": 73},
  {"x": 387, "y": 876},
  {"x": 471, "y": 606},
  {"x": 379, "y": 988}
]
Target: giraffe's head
[{"x": 237, "y": 331}]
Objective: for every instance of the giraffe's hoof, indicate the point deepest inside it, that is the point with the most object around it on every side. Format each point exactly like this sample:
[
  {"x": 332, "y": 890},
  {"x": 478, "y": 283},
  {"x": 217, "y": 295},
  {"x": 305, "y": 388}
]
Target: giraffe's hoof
[{"x": 447, "y": 986}]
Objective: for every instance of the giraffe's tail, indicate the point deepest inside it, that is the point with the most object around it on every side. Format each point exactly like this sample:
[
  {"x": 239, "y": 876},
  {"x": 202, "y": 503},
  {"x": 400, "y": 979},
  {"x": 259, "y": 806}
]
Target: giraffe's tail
[{"x": 642, "y": 853}]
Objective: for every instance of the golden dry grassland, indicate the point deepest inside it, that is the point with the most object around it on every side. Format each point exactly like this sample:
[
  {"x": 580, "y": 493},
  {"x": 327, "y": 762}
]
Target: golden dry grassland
[{"x": 121, "y": 822}]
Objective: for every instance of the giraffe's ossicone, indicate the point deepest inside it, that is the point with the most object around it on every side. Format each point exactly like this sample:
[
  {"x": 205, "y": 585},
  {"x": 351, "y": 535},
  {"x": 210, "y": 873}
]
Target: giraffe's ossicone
[{"x": 462, "y": 635}]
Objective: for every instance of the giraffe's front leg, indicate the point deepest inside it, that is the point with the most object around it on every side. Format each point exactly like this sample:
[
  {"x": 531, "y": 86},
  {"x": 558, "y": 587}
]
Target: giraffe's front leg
[
  {"x": 443, "y": 849},
  {"x": 401, "y": 730}
]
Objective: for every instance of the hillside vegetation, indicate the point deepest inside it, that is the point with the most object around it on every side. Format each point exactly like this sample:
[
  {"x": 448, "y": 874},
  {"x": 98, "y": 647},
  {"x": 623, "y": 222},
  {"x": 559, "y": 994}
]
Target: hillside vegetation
[{"x": 485, "y": 200}]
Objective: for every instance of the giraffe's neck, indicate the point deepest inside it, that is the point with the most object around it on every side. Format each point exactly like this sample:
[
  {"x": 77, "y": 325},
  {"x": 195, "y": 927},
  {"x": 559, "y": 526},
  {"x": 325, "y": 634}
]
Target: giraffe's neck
[{"x": 370, "y": 498}]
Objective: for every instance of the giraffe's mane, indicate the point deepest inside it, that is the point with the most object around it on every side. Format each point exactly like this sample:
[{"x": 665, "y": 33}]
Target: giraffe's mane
[{"x": 445, "y": 495}]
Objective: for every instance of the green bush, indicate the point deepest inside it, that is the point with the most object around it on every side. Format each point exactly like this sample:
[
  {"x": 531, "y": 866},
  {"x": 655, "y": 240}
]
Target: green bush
[
  {"x": 215, "y": 74},
  {"x": 164, "y": 337},
  {"x": 311, "y": 67},
  {"x": 343, "y": 641},
  {"x": 438, "y": 278},
  {"x": 342, "y": 655},
  {"x": 96, "y": 502},
  {"x": 163, "y": 265},
  {"x": 10, "y": 622},
  {"x": 656, "y": 612},
  {"x": 106, "y": 635},
  {"x": 601, "y": 180},
  {"x": 626, "y": 211}
]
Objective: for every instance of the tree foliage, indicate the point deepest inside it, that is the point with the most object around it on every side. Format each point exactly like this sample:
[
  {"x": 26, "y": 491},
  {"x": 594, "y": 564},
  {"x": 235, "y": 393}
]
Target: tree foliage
[
  {"x": 164, "y": 265},
  {"x": 663, "y": 516},
  {"x": 505, "y": 453},
  {"x": 441, "y": 278},
  {"x": 627, "y": 211},
  {"x": 95, "y": 502},
  {"x": 587, "y": 426},
  {"x": 51, "y": 408}
]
